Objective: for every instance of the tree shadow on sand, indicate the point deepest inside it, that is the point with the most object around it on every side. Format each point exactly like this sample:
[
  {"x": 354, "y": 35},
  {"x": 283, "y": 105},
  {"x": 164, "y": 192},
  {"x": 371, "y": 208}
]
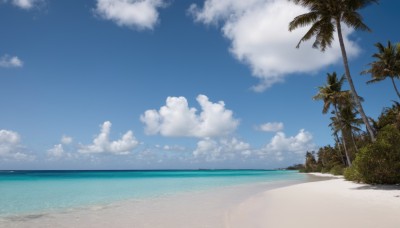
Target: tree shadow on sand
[{"x": 379, "y": 187}]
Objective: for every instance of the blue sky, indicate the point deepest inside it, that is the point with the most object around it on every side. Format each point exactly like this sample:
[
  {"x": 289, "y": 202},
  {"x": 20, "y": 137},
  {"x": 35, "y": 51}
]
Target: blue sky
[{"x": 158, "y": 84}]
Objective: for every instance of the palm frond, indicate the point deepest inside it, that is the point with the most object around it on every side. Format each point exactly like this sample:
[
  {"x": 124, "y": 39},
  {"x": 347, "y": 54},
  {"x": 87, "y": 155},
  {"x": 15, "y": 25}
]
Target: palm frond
[
  {"x": 303, "y": 20},
  {"x": 354, "y": 20}
]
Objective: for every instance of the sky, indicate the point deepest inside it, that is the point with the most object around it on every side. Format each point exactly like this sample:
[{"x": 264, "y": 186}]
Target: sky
[{"x": 171, "y": 84}]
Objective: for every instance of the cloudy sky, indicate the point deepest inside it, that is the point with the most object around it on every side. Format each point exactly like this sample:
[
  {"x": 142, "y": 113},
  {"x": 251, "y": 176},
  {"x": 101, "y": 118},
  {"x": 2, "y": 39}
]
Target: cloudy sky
[{"x": 170, "y": 84}]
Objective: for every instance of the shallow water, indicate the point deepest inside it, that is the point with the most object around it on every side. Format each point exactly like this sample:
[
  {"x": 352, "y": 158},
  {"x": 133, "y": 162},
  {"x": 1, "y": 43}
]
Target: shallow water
[{"x": 32, "y": 195}]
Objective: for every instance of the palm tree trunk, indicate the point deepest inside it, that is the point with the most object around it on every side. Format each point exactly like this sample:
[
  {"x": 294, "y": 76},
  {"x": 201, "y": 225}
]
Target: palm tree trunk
[
  {"x": 395, "y": 87},
  {"x": 344, "y": 140},
  {"x": 350, "y": 80},
  {"x": 340, "y": 148},
  {"x": 354, "y": 141},
  {"x": 345, "y": 150}
]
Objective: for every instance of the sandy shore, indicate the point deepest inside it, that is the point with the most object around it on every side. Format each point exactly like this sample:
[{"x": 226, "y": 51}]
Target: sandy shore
[
  {"x": 328, "y": 203},
  {"x": 195, "y": 210},
  {"x": 332, "y": 203}
]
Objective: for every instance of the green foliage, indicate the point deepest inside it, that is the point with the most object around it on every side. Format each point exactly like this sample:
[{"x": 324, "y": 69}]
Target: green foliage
[
  {"x": 325, "y": 170},
  {"x": 328, "y": 157},
  {"x": 318, "y": 168},
  {"x": 311, "y": 163},
  {"x": 379, "y": 162},
  {"x": 389, "y": 116},
  {"x": 351, "y": 174},
  {"x": 386, "y": 64},
  {"x": 296, "y": 167},
  {"x": 337, "y": 170}
]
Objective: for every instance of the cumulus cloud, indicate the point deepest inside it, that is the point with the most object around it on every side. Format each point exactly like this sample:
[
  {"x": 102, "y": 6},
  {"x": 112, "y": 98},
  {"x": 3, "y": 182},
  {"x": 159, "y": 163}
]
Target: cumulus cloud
[
  {"x": 56, "y": 152},
  {"x": 282, "y": 146},
  {"x": 213, "y": 150},
  {"x": 140, "y": 14},
  {"x": 176, "y": 118},
  {"x": 271, "y": 127},
  {"x": 25, "y": 4},
  {"x": 10, "y": 61},
  {"x": 258, "y": 31},
  {"x": 102, "y": 144},
  {"x": 10, "y": 147}
]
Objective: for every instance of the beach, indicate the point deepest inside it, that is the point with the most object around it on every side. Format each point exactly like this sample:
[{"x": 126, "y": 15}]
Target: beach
[
  {"x": 132, "y": 198},
  {"x": 196, "y": 210},
  {"x": 329, "y": 204},
  {"x": 323, "y": 201}
]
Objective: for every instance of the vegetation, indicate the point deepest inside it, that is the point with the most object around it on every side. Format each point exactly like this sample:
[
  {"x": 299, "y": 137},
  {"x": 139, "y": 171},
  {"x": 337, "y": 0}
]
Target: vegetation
[
  {"x": 374, "y": 163},
  {"x": 386, "y": 65},
  {"x": 332, "y": 94},
  {"x": 328, "y": 161},
  {"x": 371, "y": 156},
  {"x": 379, "y": 162},
  {"x": 296, "y": 167},
  {"x": 325, "y": 17}
]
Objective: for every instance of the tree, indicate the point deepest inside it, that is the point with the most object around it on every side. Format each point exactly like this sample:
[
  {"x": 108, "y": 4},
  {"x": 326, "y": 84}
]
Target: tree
[
  {"x": 389, "y": 116},
  {"x": 348, "y": 123},
  {"x": 311, "y": 163},
  {"x": 332, "y": 94},
  {"x": 387, "y": 64},
  {"x": 325, "y": 17},
  {"x": 379, "y": 162}
]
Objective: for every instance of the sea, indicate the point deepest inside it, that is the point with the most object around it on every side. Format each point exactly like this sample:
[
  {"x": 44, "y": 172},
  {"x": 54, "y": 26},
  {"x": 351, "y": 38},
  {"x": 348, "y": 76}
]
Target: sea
[{"x": 38, "y": 192}]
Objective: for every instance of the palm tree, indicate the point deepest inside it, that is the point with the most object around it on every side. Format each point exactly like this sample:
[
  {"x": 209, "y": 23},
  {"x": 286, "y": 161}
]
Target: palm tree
[
  {"x": 347, "y": 122},
  {"x": 351, "y": 123},
  {"x": 332, "y": 94},
  {"x": 386, "y": 65},
  {"x": 325, "y": 18},
  {"x": 337, "y": 142},
  {"x": 336, "y": 126}
]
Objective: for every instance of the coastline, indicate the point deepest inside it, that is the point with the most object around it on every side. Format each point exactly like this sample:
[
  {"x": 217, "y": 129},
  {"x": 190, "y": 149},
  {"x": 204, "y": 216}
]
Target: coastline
[
  {"x": 191, "y": 209},
  {"x": 322, "y": 201},
  {"x": 329, "y": 204}
]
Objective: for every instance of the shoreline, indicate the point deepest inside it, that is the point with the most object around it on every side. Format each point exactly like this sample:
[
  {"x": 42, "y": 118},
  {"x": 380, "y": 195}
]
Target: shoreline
[
  {"x": 191, "y": 209},
  {"x": 322, "y": 200},
  {"x": 329, "y": 204}
]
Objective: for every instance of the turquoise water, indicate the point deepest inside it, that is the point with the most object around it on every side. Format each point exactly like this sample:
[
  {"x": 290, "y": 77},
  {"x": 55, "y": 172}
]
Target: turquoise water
[{"x": 24, "y": 192}]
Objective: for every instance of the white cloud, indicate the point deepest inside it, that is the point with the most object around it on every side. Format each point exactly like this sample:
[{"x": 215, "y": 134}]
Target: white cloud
[
  {"x": 102, "y": 144},
  {"x": 56, "y": 152},
  {"x": 173, "y": 148},
  {"x": 222, "y": 149},
  {"x": 177, "y": 119},
  {"x": 25, "y": 4},
  {"x": 271, "y": 127},
  {"x": 66, "y": 140},
  {"x": 10, "y": 147},
  {"x": 280, "y": 147},
  {"x": 10, "y": 61},
  {"x": 258, "y": 31},
  {"x": 140, "y": 14}
]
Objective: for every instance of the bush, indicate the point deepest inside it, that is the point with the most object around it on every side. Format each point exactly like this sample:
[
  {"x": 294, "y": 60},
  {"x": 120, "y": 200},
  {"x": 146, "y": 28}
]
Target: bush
[
  {"x": 318, "y": 168},
  {"x": 379, "y": 162},
  {"x": 351, "y": 174},
  {"x": 325, "y": 170},
  {"x": 337, "y": 170}
]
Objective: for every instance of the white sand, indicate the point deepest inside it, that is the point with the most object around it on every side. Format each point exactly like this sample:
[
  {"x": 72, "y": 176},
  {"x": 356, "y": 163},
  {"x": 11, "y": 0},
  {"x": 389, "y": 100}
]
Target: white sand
[
  {"x": 334, "y": 203},
  {"x": 324, "y": 175},
  {"x": 188, "y": 210}
]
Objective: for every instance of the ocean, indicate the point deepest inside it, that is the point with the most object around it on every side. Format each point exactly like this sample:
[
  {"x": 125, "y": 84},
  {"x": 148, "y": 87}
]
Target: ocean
[{"x": 38, "y": 192}]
